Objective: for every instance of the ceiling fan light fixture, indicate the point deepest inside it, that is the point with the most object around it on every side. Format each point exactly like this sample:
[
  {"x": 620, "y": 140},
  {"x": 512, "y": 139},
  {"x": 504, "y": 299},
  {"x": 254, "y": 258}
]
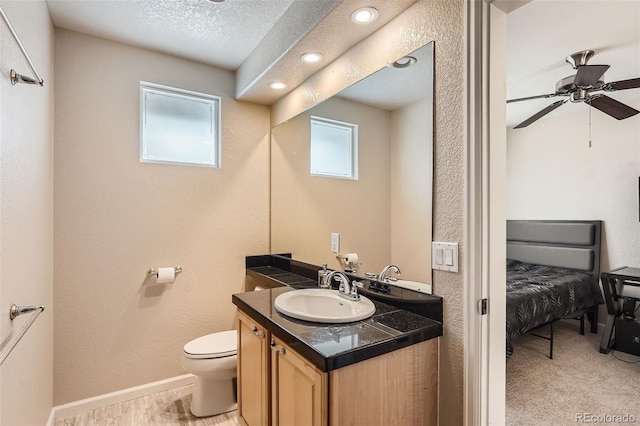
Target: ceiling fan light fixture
[
  {"x": 311, "y": 57},
  {"x": 364, "y": 15},
  {"x": 579, "y": 96}
]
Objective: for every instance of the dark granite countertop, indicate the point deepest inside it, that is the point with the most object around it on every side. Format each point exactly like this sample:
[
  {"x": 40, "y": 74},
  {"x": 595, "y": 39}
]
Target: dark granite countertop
[
  {"x": 278, "y": 277},
  {"x": 332, "y": 346},
  {"x": 280, "y": 270}
]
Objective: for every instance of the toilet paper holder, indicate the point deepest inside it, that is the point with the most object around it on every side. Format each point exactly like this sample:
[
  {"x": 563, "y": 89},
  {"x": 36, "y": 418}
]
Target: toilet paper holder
[
  {"x": 351, "y": 260},
  {"x": 153, "y": 272}
]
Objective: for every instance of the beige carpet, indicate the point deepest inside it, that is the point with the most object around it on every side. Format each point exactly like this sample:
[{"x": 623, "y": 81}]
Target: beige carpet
[{"x": 579, "y": 385}]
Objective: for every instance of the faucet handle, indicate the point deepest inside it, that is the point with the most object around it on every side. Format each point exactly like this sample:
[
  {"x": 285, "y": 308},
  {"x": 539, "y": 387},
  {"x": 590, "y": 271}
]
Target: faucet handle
[
  {"x": 354, "y": 289},
  {"x": 324, "y": 282},
  {"x": 344, "y": 285}
]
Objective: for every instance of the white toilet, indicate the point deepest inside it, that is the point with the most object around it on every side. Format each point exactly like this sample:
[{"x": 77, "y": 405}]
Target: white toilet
[{"x": 213, "y": 360}]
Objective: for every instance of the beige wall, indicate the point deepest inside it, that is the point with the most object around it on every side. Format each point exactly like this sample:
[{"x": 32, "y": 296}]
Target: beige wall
[
  {"x": 444, "y": 22},
  {"x": 116, "y": 217},
  {"x": 26, "y": 212},
  {"x": 306, "y": 209},
  {"x": 411, "y": 189}
]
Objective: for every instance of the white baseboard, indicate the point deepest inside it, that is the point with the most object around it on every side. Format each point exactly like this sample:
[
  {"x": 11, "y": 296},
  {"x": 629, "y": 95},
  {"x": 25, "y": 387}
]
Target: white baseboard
[
  {"x": 82, "y": 406},
  {"x": 52, "y": 417}
]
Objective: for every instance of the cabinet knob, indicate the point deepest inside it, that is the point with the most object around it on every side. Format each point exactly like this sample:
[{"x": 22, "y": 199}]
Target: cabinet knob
[
  {"x": 276, "y": 349},
  {"x": 258, "y": 333}
]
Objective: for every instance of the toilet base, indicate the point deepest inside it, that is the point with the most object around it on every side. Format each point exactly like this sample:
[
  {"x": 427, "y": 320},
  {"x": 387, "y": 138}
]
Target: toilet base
[{"x": 211, "y": 397}]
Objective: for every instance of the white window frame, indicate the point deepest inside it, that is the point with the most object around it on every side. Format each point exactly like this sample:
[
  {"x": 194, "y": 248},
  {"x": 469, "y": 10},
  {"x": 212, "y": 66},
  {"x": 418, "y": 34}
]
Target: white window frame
[
  {"x": 352, "y": 130},
  {"x": 214, "y": 101}
]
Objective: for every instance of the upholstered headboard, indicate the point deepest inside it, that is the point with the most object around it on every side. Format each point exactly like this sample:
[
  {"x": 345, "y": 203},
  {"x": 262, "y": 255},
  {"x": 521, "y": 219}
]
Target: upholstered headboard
[{"x": 573, "y": 244}]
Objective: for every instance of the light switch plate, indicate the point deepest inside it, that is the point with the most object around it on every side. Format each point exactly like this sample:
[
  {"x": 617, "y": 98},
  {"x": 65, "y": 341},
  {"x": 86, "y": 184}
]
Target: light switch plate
[{"x": 444, "y": 256}]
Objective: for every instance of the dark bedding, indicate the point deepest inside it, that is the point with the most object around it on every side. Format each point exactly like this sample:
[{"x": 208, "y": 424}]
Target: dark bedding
[{"x": 537, "y": 294}]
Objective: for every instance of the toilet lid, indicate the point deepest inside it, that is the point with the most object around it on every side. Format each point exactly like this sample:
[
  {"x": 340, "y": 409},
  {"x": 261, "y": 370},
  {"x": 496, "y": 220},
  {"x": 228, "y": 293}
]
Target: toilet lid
[{"x": 216, "y": 345}]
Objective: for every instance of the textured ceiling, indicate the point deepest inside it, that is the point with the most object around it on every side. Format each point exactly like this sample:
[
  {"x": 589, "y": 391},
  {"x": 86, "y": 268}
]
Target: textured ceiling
[
  {"x": 261, "y": 39},
  {"x": 220, "y": 34}
]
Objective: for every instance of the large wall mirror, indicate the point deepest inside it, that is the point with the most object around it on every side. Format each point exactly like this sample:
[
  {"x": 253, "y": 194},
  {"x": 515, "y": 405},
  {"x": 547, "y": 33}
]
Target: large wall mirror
[{"x": 384, "y": 214}]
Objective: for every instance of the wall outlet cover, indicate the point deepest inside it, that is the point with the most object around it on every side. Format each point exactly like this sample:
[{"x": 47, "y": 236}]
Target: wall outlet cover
[{"x": 335, "y": 242}]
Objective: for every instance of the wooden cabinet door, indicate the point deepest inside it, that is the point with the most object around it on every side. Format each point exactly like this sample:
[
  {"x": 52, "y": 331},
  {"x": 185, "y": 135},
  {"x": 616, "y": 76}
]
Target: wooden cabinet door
[
  {"x": 253, "y": 373},
  {"x": 298, "y": 389}
]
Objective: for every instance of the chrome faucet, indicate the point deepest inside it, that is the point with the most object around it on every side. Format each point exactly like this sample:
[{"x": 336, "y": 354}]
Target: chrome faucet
[
  {"x": 383, "y": 275},
  {"x": 345, "y": 290}
]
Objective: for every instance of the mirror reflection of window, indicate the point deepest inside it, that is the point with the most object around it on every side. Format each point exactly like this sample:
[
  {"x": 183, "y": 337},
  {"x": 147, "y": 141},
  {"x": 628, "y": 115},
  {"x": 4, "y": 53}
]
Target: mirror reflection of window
[{"x": 333, "y": 149}]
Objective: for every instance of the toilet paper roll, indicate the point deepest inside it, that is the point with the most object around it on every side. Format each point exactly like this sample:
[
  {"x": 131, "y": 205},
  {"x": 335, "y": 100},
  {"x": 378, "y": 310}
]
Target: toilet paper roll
[
  {"x": 352, "y": 258},
  {"x": 166, "y": 275}
]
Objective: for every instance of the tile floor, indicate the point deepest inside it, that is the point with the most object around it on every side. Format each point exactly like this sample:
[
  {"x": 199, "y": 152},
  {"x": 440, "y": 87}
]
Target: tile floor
[{"x": 164, "y": 408}]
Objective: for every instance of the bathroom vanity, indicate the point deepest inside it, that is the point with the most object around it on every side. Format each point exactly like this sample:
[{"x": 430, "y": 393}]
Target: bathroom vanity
[{"x": 381, "y": 370}]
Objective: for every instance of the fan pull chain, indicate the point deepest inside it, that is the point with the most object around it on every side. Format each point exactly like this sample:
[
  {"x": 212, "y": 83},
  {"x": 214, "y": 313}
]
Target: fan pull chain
[{"x": 589, "y": 127}]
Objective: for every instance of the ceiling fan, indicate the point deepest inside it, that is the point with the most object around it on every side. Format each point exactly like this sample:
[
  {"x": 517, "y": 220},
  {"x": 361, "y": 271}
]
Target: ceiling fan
[{"x": 580, "y": 88}]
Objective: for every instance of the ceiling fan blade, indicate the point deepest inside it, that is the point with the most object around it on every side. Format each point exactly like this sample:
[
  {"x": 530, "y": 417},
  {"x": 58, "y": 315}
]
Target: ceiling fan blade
[
  {"x": 550, "y": 95},
  {"x": 541, "y": 113},
  {"x": 632, "y": 83},
  {"x": 612, "y": 107},
  {"x": 589, "y": 75}
]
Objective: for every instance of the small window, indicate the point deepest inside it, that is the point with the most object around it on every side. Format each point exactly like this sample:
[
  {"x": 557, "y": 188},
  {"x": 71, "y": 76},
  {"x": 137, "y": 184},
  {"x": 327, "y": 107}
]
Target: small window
[
  {"x": 179, "y": 126},
  {"x": 334, "y": 149}
]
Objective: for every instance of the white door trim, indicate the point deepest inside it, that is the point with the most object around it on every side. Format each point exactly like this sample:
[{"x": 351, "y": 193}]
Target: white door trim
[
  {"x": 484, "y": 359},
  {"x": 474, "y": 322}
]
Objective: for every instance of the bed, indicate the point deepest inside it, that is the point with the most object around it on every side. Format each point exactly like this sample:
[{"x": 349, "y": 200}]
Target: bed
[{"x": 553, "y": 271}]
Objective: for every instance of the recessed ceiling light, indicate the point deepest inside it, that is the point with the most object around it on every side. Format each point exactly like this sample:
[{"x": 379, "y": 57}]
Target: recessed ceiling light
[
  {"x": 364, "y": 15},
  {"x": 277, "y": 85},
  {"x": 216, "y": 1},
  {"x": 311, "y": 57},
  {"x": 405, "y": 62}
]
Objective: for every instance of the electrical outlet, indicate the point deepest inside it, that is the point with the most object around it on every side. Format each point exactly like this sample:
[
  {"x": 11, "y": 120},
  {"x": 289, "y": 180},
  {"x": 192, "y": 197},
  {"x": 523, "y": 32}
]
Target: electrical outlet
[{"x": 335, "y": 242}]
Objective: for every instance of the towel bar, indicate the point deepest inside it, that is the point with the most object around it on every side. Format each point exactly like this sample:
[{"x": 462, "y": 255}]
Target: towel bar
[
  {"x": 14, "y": 312},
  {"x": 15, "y": 77}
]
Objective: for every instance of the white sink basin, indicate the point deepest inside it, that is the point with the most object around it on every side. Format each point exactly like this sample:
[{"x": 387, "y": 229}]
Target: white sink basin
[{"x": 321, "y": 305}]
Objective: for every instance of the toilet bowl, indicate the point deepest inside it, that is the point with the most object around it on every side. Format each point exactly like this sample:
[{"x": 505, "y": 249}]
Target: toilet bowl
[{"x": 213, "y": 360}]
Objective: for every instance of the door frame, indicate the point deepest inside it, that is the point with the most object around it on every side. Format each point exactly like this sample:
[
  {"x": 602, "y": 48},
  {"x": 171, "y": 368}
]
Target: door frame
[{"x": 485, "y": 214}]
